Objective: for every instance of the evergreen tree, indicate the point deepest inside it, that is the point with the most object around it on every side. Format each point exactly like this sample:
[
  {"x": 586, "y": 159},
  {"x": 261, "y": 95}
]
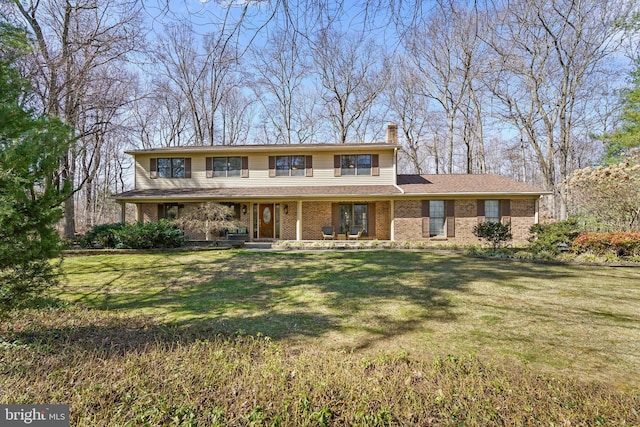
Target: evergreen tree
[
  {"x": 619, "y": 143},
  {"x": 31, "y": 146}
]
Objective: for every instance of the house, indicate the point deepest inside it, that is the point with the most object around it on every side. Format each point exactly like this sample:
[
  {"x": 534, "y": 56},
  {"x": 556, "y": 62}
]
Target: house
[{"x": 292, "y": 191}]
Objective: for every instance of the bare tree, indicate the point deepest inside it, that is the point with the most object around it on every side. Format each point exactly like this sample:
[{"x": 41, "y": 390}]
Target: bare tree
[
  {"x": 411, "y": 110},
  {"x": 75, "y": 42},
  {"x": 447, "y": 50},
  {"x": 547, "y": 59},
  {"x": 281, "y": 69},
  {"x": 352, "y": 77}
]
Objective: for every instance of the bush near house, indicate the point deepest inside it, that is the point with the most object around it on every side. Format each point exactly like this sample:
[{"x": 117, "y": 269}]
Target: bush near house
[
  {"x": 617, "y": 243},
  {"x": 552, "y": 238},
  {"x": 495, "y": 233},
  {"x": 148, "y": 235},
  {"x": 103, "y": 235}
]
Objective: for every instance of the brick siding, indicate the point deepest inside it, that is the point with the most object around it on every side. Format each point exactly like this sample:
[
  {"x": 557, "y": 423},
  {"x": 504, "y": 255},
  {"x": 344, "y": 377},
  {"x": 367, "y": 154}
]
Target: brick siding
[{"x": 408, "y": 220}]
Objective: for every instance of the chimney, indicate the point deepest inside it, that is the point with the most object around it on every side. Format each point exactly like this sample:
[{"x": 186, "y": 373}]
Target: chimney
[{"x": 392, "y": 133}]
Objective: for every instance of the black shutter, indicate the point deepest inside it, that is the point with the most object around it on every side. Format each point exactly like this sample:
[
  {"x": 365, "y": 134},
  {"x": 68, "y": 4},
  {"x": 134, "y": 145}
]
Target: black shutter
[
  {"x": 337, "y": 166},
  {"x": 245, "y": 167},
  {"x": 187, "y": 167},
  {"x": 272, "y": 166},
  {"x": 153, "y": 169},
  {"x": 308, "y": 166},
  {"x": 451, "y": 218},
  {"x": 209, "y": 167},
  {"x": 425, "y": 218},
  {"x": 375, "y": 165}
]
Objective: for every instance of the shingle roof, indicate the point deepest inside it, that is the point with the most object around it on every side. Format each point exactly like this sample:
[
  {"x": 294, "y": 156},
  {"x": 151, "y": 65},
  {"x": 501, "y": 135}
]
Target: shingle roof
[
  {"x": 257, "y": 192},
  {"x": 358, "y": 146},
  {"x": 408, "y": 185},
  {"x": 464, "y": 184}
]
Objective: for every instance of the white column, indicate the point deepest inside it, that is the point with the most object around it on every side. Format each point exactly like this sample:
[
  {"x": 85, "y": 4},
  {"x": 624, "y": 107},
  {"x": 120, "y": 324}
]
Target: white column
[
  {"x": 299, "y": 220},
  {"x": 392, "y": 217}
]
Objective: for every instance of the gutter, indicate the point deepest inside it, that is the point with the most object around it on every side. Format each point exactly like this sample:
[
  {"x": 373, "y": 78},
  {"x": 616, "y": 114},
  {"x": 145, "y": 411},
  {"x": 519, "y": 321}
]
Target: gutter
[{"x": 395, "y": 170}]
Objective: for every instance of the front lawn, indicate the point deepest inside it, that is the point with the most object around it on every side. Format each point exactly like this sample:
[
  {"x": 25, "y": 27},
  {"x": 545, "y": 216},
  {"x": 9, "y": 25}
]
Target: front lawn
[{"x": 368, "y": 323}]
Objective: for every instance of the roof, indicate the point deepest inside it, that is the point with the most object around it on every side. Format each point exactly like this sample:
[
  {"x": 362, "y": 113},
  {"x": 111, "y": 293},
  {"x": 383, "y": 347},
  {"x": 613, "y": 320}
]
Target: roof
[
  {"x": 267, "y": 148},
  {"x": 487, "y": 185},
  {"x": 465, "y": 184},
  {"x": 351, "y": 191}
]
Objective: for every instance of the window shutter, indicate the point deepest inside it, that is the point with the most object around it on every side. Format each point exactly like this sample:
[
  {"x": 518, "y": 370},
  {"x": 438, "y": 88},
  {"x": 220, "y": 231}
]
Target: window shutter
[
  {"x": 480, "y": 205},
  {"x": 425, "y": 218},
  {"x": 245, "y": 167},
  {"x": 272, "y": 166},
  {"x": 308, "y": 166},
  {"x": 161, "y": 213},
  {"x": 187, "y": 167},
  {"x": 505, "y": 211},
  {"x": 425, "y": 209},
  {"x": 209, "y": 167},
  {"x": 154, "y": 168},
  {"x": 451, "y": 218},
  {"x": 371, "y": 220},
  {"x": 335, "y": 217},
  {"x": 337, "y": 166},
  {"x": 375, "y": 165}
]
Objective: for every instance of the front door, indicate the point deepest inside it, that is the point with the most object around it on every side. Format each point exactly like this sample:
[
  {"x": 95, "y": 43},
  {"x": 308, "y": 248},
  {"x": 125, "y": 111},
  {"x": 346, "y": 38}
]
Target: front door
[{"x": 266, "y": 220}]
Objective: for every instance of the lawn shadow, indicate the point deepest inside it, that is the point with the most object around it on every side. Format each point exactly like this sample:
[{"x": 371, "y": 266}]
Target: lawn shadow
[{"x": 376, "y": 295}]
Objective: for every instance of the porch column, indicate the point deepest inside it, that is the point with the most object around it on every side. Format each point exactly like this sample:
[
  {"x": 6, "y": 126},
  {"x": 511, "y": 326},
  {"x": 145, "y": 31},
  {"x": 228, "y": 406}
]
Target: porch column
[
  {"x": 392, "y": 218},
  {"x": 299, "y": 220},
  {"x": 123, "y": 212}
]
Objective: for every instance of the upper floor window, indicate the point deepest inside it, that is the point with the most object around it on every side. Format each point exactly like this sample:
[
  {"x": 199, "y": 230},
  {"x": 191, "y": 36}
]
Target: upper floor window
[
  {"x": 226, "y": 166},
  {"x": 171, "y": 167},
  {"x": 492, "y": 210},
  {"x": 290, "y": 165},
  {"x": 353, "y": 164},
  {"x": 356, "y": 164}
]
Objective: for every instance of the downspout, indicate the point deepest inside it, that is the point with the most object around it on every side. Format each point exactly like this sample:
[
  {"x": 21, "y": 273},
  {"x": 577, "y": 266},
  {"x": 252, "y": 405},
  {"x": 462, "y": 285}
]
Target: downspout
[{"x": 392, "y": 207}]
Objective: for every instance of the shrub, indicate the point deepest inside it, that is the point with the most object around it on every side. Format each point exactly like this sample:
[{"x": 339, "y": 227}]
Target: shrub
[
  {"x": 103, "y": 235},
  {"x": 618, "y": 244},
  {"x": 495, "y": 233},
  {"x": 161, "y": 234},
  {"x": 550, "y": 238}
]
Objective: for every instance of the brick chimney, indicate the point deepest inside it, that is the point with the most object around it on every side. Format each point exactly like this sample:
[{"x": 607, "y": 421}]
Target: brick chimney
[{"x": 392, "y": 133}]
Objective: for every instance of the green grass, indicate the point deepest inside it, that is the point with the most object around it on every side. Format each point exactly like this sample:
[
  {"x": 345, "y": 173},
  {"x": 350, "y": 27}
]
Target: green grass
[
  {"x": 584, "y": 320},
  {"x": 362, "y": 337}
]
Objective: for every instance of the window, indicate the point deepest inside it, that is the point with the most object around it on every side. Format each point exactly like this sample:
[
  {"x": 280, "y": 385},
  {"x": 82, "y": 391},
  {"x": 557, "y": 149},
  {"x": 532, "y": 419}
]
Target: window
[
  {"x": 492, "y": 210},
  {"x": 226, "y": 166},
  {"x": 353, "y": 215},
  {"x": 436, "y": 218},
  {"x": 352, "y": 164},
  {"x": 171, "y": 167},
  {"x": 290, "y": 165},
  {"x": 169, "y": 211}
]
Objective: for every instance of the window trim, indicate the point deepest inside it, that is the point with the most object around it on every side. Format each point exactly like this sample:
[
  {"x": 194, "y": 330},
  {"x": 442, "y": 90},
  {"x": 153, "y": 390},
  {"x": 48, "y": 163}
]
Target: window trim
[
  {"x": 243, "y": 167},
  {"x": 306, "y": 169},
  {"x": 339, "y": 170},
  {"x": 154, "y": 168}
]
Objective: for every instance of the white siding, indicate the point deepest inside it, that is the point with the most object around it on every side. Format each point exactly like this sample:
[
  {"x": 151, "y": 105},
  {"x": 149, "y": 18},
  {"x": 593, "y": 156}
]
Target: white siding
[{"x": 323, "y": 172}]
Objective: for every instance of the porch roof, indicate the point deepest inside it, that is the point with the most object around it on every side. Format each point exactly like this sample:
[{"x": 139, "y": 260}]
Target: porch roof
[
  {"x": 465, "y": 185},
  {"x": 306, "y": 192}
]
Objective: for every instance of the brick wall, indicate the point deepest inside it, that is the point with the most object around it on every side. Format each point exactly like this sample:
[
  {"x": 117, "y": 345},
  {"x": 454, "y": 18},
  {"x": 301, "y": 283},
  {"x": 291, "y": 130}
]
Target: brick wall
[
  {"x": 408, "y": 220},
  {"x": 147, "y": 212},
  {"x": 288, "y": 221},
  {"x": 315, "y": 215}
]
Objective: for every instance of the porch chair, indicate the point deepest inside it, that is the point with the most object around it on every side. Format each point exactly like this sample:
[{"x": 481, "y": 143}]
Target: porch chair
[
  {"x": 328, "y": 233},
  {"x": 355, "y": 233}
]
